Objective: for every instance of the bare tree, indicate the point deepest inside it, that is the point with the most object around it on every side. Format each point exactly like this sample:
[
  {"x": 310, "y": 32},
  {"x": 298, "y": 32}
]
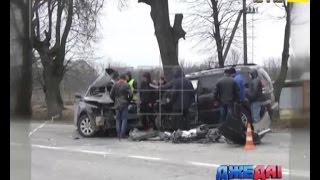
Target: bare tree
[
  {"x": 19, "y": 22},
  {"x": 57, "y": 27},
  {"x": 272, "y": 66},
  {"x": 167, "y": 36},
  {"x": 211, "y": 23},
  {"x": 233, "y": 58},
  {"x": 285, "y": 53}
]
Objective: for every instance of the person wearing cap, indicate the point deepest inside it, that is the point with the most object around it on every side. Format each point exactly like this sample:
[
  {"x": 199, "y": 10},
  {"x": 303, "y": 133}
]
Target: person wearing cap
[{"x": 227, "y": 93}]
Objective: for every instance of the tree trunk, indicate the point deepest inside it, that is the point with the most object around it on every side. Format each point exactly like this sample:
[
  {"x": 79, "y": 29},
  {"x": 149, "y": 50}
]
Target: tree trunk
[
  {"x": 167, "y": 36},
  {"x": 279, "y": 83},
  {"x": 216, "y": 32},
  {"x": 52, "y": 75},
  {"x": 24, "y": 90},
  {"x": 285, "y": 55},
  {"x": 53, "y": 97}
]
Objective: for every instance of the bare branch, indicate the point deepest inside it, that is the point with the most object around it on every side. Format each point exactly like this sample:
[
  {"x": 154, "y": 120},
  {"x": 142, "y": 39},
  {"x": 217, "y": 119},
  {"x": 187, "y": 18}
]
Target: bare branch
[
  {"x": 58, "y": 22},
  {"x": 145, "y": 1},
  {"x": 68, "y": 23}
]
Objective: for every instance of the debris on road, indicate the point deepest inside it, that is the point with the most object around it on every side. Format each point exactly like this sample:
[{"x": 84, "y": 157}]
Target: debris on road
[
  {"x": 201, "y": 134},
  {"x": 137, "y": 135}
]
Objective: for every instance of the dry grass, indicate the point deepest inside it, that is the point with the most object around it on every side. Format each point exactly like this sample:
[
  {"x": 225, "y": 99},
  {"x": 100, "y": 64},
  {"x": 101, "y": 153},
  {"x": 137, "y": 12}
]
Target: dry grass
[
  {"x": 281, "y": 124},
  {"x": 68, "y": 103},
  {"x": 40, "y": 112},
  {"x": 286, "y": 123}
]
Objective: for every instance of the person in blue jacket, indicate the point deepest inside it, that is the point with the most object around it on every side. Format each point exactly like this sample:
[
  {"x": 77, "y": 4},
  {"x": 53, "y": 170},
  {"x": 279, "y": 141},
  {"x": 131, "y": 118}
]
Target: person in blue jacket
[
  {"x": 240, "y": 81},
  {"x": 237, "y": 76}
]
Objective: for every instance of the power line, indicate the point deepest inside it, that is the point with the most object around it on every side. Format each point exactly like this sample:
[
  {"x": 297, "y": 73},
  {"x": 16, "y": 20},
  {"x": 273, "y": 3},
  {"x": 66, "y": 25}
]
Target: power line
[
  {"x": 252, "y": 36},
  {"x": 252, "y": 10}
]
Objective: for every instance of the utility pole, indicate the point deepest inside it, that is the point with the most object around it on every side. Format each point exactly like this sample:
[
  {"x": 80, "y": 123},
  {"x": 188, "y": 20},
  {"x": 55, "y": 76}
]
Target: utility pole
[
  {"x": 252, "y": 10},
  {"x": 245, "y": 58},
  {"x": 232, "y": 35}
]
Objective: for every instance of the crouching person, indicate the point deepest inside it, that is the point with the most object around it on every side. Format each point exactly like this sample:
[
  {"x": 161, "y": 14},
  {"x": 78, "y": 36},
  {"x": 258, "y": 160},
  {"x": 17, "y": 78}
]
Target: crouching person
[{"x": 121, "y": 94}]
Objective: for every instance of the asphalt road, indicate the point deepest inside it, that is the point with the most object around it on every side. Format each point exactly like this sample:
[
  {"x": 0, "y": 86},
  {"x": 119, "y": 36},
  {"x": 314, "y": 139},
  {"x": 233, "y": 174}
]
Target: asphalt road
[{"x": 57, "y": 155}]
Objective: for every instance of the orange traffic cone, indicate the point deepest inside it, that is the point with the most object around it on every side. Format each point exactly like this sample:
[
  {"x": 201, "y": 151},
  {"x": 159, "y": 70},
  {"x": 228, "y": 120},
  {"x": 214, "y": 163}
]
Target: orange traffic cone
[{"x": 249, "y": 139}]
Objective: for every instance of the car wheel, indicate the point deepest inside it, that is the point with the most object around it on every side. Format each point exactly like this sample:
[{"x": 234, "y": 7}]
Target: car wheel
[
  {"x": 244, "y": 118},
  {"x": 84, "y": 126}
]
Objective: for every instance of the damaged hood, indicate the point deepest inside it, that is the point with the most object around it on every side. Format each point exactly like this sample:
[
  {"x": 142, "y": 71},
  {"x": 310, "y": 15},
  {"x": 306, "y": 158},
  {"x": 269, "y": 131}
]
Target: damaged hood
[
  {"x": 106, "y": 77},
  {"x": 103, "y": 99}
]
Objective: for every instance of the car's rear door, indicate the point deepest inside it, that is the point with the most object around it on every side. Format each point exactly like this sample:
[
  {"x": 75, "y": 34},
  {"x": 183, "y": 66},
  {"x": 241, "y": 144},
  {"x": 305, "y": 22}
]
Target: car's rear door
[
  {"x": 208, "y": 112},
  {"x": 267, "y": 86}
]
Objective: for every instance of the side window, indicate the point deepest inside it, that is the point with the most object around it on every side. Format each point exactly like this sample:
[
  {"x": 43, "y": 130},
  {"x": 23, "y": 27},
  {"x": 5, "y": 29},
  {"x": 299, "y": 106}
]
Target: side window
[
  {"x": 208, "y": 83},
  {"x": 266, "y": 80}
]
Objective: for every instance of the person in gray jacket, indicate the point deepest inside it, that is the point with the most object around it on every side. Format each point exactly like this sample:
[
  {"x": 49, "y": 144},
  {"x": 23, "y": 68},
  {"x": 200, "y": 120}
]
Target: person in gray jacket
[
  {"x": 255, "y": 95},
  {"x": 227, "y": 93},
  {"x": 121, "y": 94}
]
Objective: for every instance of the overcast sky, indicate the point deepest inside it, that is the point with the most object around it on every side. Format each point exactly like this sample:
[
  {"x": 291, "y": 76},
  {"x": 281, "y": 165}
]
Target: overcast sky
[{"x": 128, "y": 36}]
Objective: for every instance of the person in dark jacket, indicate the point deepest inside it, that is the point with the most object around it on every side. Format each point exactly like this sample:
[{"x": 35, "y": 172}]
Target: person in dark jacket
[
  {"x": 255, "y": 95},
  {"x": 182, "y": 96},
  {"x": 227, "y": 93},
  {"x": 147, "y": 98},
  {"x": 121, "y": 94}
]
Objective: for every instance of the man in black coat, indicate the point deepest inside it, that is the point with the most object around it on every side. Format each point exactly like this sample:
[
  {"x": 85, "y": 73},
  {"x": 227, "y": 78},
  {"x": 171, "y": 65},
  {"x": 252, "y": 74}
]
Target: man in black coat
[
  {"x": 182, "y": 96},
  {"x": 227, "y": 92},
  {"x": 147, "y": 97}
]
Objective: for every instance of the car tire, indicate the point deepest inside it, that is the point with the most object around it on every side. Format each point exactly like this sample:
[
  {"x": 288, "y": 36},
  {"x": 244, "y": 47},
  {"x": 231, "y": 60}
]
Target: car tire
[
  {"x": 84, "y": 126},
  {"x": 244, "y": 116}
]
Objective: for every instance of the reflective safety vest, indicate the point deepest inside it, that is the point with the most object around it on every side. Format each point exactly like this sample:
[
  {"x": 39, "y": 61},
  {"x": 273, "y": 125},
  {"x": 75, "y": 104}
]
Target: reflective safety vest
[{"x": 132, "y": 88}]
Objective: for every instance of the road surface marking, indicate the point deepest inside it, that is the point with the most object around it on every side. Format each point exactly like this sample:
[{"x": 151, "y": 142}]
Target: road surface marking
[
  {"x": 147, "y": 158},
  {"x": 203, "y": 164},
  {"x": 92, "y": 152},
  {"x": 72, "y": 150},
  {"x": 15, "y": 144},
  {"x": 284, "y": 170},
  {"x": 36, "y": 129},
  {"x": 49, "y": 147}
]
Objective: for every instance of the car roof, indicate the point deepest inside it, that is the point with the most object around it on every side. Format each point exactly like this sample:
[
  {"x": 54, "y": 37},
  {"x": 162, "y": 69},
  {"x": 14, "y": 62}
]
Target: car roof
[{"x": 213, "y": 71}]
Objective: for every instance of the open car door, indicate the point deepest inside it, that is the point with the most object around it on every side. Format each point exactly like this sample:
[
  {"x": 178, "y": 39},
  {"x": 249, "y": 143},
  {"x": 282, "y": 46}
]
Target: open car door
[{"x": 234, "y": 130}]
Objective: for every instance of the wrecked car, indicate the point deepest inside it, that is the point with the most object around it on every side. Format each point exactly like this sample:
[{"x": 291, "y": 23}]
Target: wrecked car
[
  {"x": 207, "y": 111},
  {"x": 94, "y": 111}
]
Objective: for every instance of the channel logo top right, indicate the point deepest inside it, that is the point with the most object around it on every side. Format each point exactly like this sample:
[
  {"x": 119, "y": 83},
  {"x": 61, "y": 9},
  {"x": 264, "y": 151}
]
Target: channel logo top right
[{"x": 281, "y": 1}]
